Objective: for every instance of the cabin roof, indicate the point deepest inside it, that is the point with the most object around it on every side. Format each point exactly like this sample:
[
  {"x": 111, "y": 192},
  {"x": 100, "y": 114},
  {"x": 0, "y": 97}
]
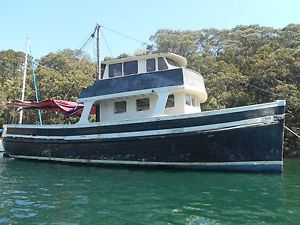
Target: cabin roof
[{"x": 179, "y": 59}]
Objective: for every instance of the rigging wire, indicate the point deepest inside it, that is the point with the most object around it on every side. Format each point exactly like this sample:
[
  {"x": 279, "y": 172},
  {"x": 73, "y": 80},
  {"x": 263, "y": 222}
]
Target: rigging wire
[
  {"x": 261, "y": 89},
  {"x": 35, "y": 86},
  {"x": 106, "y": 43},
  {"x": 83, "y": 46},
  {"x": 91, "y": 36},
  {"x": 124, "y": 35},
  {"x": 84, "y": 40}
]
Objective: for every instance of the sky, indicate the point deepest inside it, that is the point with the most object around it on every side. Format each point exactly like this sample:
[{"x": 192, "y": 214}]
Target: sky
[{"x": 55, "y": 25}]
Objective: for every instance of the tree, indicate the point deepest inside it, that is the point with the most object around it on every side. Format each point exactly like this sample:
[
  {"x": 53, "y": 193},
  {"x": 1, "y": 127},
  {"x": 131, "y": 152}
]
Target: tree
[
  {"x": 62, "y": 75},
  {"x": 241, "y": 66},
  {"x": 244, "y": 65}
]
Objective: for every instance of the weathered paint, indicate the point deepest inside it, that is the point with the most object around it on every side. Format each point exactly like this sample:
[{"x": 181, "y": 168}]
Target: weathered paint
[
  {"x": 254, "y": 135},
  {"x": 243, "y": 144},
  {"x": 164, "y": 123}
]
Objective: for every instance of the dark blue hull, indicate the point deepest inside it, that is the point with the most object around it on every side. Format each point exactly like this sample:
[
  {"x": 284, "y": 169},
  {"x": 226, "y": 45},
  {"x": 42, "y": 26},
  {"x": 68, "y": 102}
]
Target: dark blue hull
[{"x": 242, "y": 140}]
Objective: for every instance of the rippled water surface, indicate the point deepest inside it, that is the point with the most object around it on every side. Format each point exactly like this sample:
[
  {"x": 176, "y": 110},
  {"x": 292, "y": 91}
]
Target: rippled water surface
[{"x": 41, "y": 193}]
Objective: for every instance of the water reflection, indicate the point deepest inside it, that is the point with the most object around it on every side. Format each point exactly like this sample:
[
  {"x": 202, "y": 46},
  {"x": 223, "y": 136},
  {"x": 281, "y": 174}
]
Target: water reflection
[{"x": 56, "y": 194}]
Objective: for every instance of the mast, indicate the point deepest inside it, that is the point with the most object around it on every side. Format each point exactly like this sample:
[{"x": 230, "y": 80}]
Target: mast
[
  {"x": 24, "y": 78},
  {"x": 98, "y": 66}
]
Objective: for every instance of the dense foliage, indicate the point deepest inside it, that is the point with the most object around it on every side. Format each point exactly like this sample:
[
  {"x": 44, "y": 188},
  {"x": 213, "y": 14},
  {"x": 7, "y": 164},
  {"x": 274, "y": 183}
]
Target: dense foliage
[
  {"x": 241, "y": 66},
  {"x": 59, "y": 75},
  {"x": 244, "y": 65}
]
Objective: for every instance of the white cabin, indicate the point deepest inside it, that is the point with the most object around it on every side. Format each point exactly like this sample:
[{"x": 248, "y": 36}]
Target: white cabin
[{"x": 144, "y": 87}]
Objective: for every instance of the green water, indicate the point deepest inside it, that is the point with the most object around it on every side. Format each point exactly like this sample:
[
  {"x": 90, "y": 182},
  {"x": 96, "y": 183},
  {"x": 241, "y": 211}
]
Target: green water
[{"x": 41, "y": 193}]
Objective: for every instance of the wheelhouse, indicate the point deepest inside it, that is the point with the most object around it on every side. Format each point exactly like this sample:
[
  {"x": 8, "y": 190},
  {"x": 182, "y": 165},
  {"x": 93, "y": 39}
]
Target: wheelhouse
[
  {"x": 144, "y": 87},
  {"x": 142, "y": 64}
]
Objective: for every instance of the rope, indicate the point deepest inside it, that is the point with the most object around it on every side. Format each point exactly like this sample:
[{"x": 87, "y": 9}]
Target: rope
[
  {"x": 278, "y": 95},
  {"x": 124, "y": 35},
  {"x": 35, "y": 87},
  {"x": 269, "y": 92},
  {"x": 261, "y": 89},
  {"x": 293, "y": 132}
]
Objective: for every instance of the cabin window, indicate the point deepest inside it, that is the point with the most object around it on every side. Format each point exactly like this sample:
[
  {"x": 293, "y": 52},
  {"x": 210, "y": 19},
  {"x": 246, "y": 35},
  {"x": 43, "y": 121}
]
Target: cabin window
[
  {"x": 120, "y": 107},
  {"x": 115, "y": 70},
  {"x": 94, "y": 115},
  {"x": 172, "y": 62},
  {"x": 188, "y": 100},
  {"x": 150, "y": 65},
  {"x": 103, "y": 66},
  {"x": 142, "y": 104},
  {"x": 194, "y": 101},
  {"x": 131, "y": 67},
  {"x": 162, "y": 64},
  {"x": 170, "y": 101}
]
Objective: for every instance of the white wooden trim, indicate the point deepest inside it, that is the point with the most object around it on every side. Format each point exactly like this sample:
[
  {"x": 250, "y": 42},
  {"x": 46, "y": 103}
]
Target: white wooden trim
[
  {"x": 209, "y": 128},
  {"x": 179, "y": 164},
  {"x": 152, "y": 119}
]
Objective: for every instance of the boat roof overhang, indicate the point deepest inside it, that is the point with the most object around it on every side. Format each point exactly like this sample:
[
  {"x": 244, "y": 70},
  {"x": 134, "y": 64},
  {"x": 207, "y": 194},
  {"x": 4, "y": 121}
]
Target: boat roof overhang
[
  {"x": 179, "y": 59},
  {"x": 125, "y": 84},
  {"x": 174, "y": 79}
]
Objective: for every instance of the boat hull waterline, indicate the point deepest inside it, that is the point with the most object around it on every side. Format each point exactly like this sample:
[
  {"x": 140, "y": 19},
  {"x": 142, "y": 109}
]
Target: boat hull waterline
[{"x": 242, "y": 139}]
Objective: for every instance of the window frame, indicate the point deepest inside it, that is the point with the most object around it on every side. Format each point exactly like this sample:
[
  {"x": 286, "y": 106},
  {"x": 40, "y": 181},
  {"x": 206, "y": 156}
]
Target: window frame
[
  {"x": 170, "y": 100},
  {"x": 139, "y": 107},
  {"x": 154, "y": 64},
  {"x": 188, "y": 99},
  {"x": 164, "y": 64},
  {"x": 136, "y": 67},
  {"x": 110, "y": 69},
  {"x": 123, "y": 108},
  {"x": 194, "y": 100}
]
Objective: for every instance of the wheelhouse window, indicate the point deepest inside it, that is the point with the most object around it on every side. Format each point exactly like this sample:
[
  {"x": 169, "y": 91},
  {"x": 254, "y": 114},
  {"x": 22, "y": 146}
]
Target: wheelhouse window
[
  {"x": 94, "y": 115},
  {"x": 194, "y": 101},
  {"x": 188, "y": 100},
  {"x": 120, "y": 107},
  {"x": 172, "y": 62},
  {"x": 115, "y": 70},
  {"x": 170, "y": 101},
  {"x": 150, "y": 65},
  {"x": 131, "y": 67},
  {"x": 142, "y": 104},
  {"x": 162, "y": 64},
  {"x": 103, "y": 66}
]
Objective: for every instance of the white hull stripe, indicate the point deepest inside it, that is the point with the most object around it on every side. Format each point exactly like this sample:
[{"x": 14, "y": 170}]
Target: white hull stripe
[
  {"x": 180, "y": 164},
  {"x": 160, "y": 118},
  {"x": 205, "y": 128}
]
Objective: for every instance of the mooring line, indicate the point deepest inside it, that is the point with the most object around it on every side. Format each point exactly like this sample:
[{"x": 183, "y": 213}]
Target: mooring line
[{"x": 293, "y": 132}]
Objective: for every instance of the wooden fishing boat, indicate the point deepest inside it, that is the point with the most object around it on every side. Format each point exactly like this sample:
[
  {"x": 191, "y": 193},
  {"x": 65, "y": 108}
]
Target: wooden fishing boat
[{"x": 148, "y": 113}]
